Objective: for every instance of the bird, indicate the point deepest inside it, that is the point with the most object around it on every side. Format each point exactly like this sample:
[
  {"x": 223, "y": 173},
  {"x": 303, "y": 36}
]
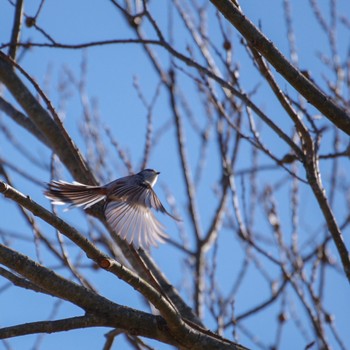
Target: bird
[{"x": 127, "y": 207}]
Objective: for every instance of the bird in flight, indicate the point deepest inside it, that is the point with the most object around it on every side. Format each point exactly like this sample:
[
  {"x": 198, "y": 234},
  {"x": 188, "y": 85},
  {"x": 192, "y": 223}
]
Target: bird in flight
[{"x": 127, "y": 208}]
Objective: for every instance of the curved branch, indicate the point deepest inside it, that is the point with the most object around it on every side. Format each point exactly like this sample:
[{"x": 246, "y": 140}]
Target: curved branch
[{"x": 189, "y": 62}]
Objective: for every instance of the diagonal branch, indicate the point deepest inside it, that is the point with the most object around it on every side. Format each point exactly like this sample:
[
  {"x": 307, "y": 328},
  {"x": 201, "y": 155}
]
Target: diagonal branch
[
  {"x": 299, "y": 81},
  {"x": 52, "y": 130},
  {"x": 22, "y": 120},
  {"x": 54, "y": 326},
  {"x": 119, "y": 316}
]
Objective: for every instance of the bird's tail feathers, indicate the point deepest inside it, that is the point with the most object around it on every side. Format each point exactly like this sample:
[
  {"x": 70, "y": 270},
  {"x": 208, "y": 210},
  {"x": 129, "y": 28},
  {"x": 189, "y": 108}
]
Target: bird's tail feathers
[{"x": 76, "y": 194}]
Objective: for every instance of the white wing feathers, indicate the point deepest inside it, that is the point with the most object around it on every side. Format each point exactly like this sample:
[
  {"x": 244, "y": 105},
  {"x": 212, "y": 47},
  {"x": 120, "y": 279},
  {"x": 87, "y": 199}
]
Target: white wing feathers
[{"x": 135, "y": 223}]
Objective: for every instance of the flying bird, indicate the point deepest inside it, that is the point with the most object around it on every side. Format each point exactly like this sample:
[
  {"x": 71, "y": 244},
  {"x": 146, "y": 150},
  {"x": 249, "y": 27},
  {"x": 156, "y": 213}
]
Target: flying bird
[{"x": 127, "y": 208}]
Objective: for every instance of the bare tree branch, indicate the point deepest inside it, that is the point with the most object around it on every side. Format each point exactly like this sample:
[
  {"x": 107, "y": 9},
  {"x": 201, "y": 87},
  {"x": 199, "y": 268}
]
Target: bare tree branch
[{"x": 299, "y": 81}]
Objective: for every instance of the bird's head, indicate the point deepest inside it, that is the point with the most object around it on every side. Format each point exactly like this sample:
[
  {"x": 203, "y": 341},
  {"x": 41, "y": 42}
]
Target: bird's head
[{"x": 149, "y": 176}]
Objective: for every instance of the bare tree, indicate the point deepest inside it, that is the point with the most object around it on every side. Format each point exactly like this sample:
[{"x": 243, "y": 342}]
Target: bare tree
[{"x": 262, "y": 189}]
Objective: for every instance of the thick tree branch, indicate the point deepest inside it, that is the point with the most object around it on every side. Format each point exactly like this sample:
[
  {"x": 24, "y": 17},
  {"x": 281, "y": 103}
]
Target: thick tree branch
[
  {"x": 66, "y": 324},
  {"x": 54, "y": 133},
  {"x": 121, "y": 316},
  {"x": 21, "y": 282},
  {"x": 136, "y": 322},
  {"x": 298, "y": 80},
  {"x": 184, "y": 332},
  {"x": 22, "y": 120}
]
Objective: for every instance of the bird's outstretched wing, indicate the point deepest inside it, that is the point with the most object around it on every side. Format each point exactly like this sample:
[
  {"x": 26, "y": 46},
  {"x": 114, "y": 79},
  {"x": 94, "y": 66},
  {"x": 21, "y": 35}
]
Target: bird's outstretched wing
[
  {"x": 138, "y": 193},
  {"x": 128, "y": 212},
  {"x": 135, "y": 223}
]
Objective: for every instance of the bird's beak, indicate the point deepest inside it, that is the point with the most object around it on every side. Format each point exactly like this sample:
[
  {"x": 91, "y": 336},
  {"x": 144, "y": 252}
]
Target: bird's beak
[{"x": 158, "y": 172}]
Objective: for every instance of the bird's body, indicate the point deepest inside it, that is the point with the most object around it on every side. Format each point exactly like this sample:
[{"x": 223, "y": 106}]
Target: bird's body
[{"x": 128, "y": 204}]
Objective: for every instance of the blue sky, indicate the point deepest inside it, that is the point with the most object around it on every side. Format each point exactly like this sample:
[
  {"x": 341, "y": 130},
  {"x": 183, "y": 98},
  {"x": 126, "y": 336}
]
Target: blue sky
[{"x": 110, "y": 75}]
